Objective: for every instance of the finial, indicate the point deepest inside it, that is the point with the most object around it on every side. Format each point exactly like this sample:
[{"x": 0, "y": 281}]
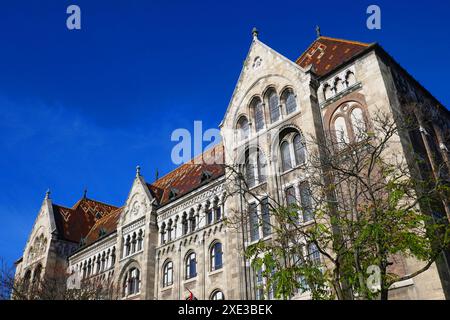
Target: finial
[
  {"x": 47, "y": 194},
  {"x": 85, "y": 193},
  {"x": 138, "y": 171},
  {"x": 318, "y": 32},
  {"x": 255, "y": 33},
  {"x": 156, "y": 174}
]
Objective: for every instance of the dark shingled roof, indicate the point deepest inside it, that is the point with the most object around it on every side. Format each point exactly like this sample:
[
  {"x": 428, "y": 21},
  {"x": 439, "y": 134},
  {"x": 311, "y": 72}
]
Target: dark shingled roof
[
  {"x": 326, "y": 54},
  {"x": 76, "y": 222},
  {"x": 104, "y": 226}
]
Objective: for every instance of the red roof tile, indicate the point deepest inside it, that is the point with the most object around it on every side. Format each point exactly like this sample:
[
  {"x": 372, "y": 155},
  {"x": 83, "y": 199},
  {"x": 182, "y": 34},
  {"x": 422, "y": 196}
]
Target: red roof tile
[
  {"x": 189, "y": 176},
  {"x": 326, "y": 54},
  {"x": 104, "y": 226},
  {"x": 76, "y": 222}
]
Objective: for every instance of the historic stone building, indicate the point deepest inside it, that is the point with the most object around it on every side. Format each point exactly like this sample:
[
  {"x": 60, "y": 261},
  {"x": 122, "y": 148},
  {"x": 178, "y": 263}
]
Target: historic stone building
[{"x": 170, "y": 238}]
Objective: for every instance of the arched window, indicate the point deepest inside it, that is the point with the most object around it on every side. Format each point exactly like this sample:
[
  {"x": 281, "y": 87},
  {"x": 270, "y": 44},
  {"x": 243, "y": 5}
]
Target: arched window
[
  {"x": 285, "y": 156},
  {"x": 358, "y": 124},
  {"x": 350, "y": 79},
  {"x": 341, "y": 130},
  {"x": 133, "y": 243},
  {"x": 299, "y": 150},
  {"x": 37, "y": 276},
  {"x": 243, "y": 128},
  {"x": 128, "y": 246},
  {"x": 338, "y": 85},
  {"x": 255, "y": 167},
  {"x": 217, "y": 295},
  {"x": 131, "y": 282},
  {"x": 168, "y": 274},
  {"x": 191, "y": 265},
  {"x": 327, "y": 92},
  {"x": 289, "y": 100},
  {"x": 273, "y": 106},
  {"x": 258, "y": 113},
  {"x": 140, "y": 240},
  {"x": 216, "y": 254},
  {"x": 27, "y": 279}
]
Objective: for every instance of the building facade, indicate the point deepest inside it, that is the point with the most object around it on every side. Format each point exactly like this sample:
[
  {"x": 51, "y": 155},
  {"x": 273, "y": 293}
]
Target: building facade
[{"x": 170, "y": 237}]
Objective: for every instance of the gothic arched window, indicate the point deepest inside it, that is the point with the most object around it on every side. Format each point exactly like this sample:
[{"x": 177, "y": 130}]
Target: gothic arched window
[
  {"x": 286, "y": 161},
  {"x": 274, "y": 109},
  {"x": 131, "y": 282},
  {"x": 258, "y": 114},
  {"x": 341, "y": 130},
  {"x": 216, "y": 255},
  {"x": 168, "y": 274},
  {"x": 289, "y": 100},
  {"x": 243, "y": 128},
  {"x": 299, "y": 150},
  {"x": 191, "y": 265}
]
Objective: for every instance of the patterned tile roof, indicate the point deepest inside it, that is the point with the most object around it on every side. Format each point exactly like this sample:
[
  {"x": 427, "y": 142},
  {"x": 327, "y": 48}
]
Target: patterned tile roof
[
  {"x": 76, "y": 222},
  {"x": 326, "y": 54},
  {"x": 104, "y": 226},
  {"x": 189, "y": 176}
]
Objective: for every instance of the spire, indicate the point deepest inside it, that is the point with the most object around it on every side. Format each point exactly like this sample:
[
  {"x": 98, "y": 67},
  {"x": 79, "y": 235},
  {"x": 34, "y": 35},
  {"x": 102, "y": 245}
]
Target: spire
[
  {"x": 47, "y": 194},
  {"x": 138, "y": 171},
  {"x": 156, "y": 174},
  {"x": 255, "y": 33},
  {"x": 85, "y": 193},
  {"x": 318, "y": 32}
]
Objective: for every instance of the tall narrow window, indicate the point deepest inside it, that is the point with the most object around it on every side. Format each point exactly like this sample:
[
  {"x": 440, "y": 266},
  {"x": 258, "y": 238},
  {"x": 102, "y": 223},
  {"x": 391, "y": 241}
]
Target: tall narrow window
[
  {"x": 265, "y": 215},
  {"x": 259, "y": 284},
  {"x": 218, "y": 211},
  {"x": 306, "y": 202},
  {"x": 250, "y": 172},
  {"x": 254, "y": 223},
  {"x": 313, "y": 253},
  {"x": 191, "y": 266},
  {"x": 209, "y": 216},
  {"x": 216, "y": 256},
  {"x": 299, "y": 150},
  {"x": 259, "y": 114},
  {"x": 341, "y": 130},
  {"x": 262, "y": 167},
  {"x": 168, "y": 274},
  {"x": 285, "y": 156},
  {"x": 358, "y": 124},
  {"x": 291, "y": 104},
  {"x": 291, "y": 200},
  {"x": 274, "y": 107},
  {"x": 243, "y": 128}
]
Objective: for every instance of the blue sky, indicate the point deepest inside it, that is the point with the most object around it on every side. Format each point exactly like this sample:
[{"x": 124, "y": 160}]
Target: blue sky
[{"x": 82, "y": 108}]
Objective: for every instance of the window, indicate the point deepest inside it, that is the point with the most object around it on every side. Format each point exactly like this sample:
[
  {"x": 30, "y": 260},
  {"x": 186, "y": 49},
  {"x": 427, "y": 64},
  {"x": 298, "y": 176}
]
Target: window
[
  {"x": 243, "y": 128},
  {"x": 259, "y": 284},
  {"x": 285, "y": 156},
  {"x": 313, "y": 253},
  {"x": 291, "y": 104},
  {"x": 299, "y": 150},
  {"x": 131, "y": 282},
  {"x": 191, "y": 266},
  {"x": 209, "y": 216},
  {"x": 185, "y": 224},
  {"x": 358, "y": 124},
  {"x": 350, "y": 79},
  {"x": 168, "y": 274},
  {"x": 218, "y": 211},
  {"x": 265, "y": 214},
  {"x": 254, "y": 223},
  {"x": 140, "y": 240},
  {"x": 306, "y": 202},
  {"x": 291, "y": 199},
  {"x": 216, "y": 256},
  {"x": 217, "y": 295},
  {"x": 259, "y": 114},
  {"x": 37, "y": 275},
  {"x": 255, "y": 167},
  {"x": 274, "y": 108},
  {"x": 341, "y": 130}
]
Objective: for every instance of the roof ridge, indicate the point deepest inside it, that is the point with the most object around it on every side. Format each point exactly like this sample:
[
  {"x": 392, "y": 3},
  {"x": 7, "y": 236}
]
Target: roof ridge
[{"x": 96, "y": 201}]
